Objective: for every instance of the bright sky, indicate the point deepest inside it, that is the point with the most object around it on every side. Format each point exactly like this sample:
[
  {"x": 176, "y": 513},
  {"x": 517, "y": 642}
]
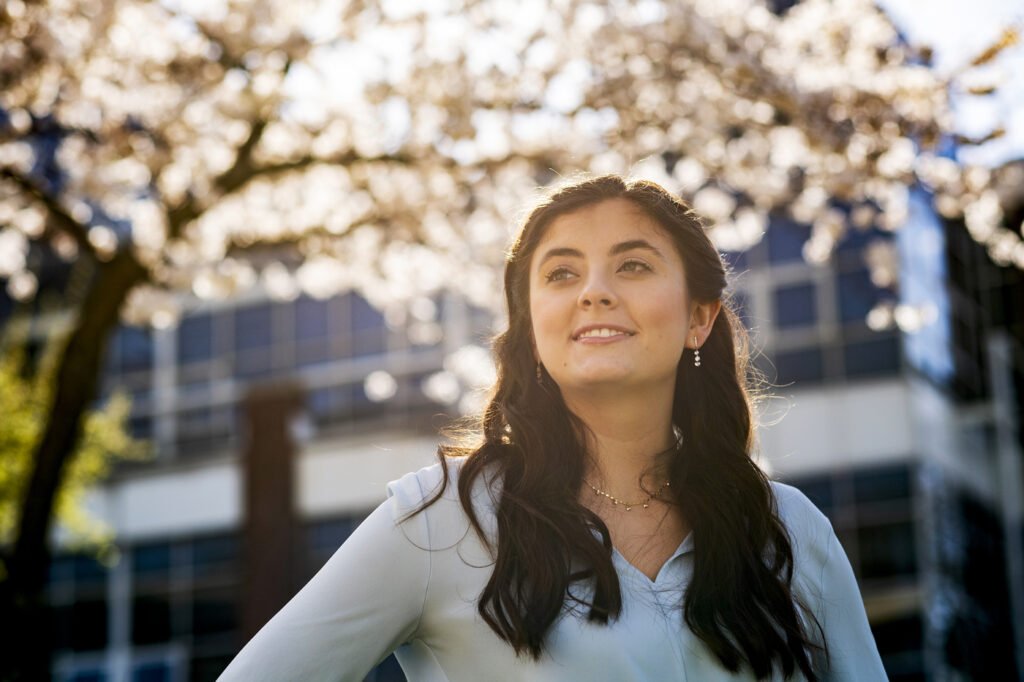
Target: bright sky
[{"x": 958, "y": 30}]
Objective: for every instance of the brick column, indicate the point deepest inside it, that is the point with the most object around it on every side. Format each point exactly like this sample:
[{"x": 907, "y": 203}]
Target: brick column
[{"x": 269, "y": 536}]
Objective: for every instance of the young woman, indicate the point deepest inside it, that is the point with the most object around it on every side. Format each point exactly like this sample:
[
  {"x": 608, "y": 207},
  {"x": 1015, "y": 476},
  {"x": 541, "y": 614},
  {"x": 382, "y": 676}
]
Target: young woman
[{"x": 611, "y": 525}]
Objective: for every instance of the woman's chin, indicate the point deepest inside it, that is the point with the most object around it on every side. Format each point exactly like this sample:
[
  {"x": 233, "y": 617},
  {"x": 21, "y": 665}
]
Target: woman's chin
[
  {"x": 598, "y": 379},
  {"x": 620, "y": 378}
]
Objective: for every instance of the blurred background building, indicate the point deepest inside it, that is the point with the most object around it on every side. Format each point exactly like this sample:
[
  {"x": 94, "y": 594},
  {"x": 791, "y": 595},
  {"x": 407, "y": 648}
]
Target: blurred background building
[
  {"x": 905, "y": 432},
  {"x": 274, "y": 424}
]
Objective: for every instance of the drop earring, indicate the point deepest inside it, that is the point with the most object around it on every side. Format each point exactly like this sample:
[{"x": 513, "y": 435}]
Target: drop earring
[
  {"x": 540, "y": 377},
  {"x": 696, "y": 353}
]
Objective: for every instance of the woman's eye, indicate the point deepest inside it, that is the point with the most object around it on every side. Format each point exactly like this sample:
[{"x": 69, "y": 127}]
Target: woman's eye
[
  {"x": 558, "y": 274},
  {"x": 634, "y": 266}
]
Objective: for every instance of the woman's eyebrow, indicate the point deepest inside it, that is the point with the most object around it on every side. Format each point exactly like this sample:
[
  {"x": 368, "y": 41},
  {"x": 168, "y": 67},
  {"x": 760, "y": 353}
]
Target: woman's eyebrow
[
  {"x": 621, "y": 247},
  {"x": 560, "y": 251}
]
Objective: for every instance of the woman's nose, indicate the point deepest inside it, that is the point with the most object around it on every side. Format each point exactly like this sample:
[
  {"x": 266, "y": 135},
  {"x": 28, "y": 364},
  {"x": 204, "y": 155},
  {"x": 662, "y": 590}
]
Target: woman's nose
[{"x": 597, "y": 291}]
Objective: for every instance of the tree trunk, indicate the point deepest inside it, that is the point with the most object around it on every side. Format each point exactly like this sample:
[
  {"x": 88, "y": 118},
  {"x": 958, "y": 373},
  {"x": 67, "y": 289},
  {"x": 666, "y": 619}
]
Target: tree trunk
[{"x": 26, "y": 635}]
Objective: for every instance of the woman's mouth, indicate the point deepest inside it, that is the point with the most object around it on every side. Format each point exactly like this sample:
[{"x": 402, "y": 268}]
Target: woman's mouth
[{"x": 598, "y": 334}]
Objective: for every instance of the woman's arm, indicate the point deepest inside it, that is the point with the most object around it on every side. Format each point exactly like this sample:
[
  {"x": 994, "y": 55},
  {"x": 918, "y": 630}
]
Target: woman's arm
[{"x": 362, "y": 605}]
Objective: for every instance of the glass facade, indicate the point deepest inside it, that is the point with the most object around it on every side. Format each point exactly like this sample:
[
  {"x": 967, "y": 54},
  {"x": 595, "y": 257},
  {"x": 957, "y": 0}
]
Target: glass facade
[
  {"x": 183, "y": 614},
  {"x": 875, "y": 511},
  {"x": 795, "y": 306},
  {"x": 872, "y": 512},
  {"x": 328, "y": 345},
  {"x": 923, "y": 283},
  {"x": 811, "y": 320}
]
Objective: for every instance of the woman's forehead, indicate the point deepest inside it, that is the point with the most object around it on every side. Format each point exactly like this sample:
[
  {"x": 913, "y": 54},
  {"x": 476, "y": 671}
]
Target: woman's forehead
[
  {"x": 609, "y": 218},
  {"x": 602, "y": 224}
]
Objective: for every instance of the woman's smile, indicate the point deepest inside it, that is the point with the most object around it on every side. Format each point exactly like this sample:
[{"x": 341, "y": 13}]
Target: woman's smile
[{"x": 599, "y": 334}]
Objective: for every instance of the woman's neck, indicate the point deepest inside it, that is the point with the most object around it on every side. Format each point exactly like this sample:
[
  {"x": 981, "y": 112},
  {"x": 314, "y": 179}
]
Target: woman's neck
[{"x": 626, "y": 436}]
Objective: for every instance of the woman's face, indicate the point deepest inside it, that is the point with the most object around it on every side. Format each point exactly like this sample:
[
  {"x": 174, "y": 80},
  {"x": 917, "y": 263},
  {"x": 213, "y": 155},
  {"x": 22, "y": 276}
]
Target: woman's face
[{"x": 608, "y": 300}]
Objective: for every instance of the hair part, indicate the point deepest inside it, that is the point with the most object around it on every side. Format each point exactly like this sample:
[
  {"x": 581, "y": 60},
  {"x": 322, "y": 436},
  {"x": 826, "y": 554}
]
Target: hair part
[{"x": 740, "y": 601}]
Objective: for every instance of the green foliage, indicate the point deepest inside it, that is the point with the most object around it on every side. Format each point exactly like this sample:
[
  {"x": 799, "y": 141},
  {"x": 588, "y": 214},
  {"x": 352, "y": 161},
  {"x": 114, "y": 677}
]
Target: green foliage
[{"x": 26, "y": 395}]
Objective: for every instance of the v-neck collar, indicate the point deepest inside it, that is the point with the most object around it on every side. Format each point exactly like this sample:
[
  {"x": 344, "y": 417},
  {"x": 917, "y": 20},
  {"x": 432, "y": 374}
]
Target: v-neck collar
[{"x": 685, "y": 547}]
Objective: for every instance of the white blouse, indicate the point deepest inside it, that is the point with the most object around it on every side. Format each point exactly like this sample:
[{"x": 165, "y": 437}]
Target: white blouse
[{"x": 412, "y": 588}]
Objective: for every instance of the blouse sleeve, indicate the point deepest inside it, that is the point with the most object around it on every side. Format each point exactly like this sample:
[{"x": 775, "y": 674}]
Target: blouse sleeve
[
  {"x": 364, "y": 603},
  {"x": 853, "y": 654}
]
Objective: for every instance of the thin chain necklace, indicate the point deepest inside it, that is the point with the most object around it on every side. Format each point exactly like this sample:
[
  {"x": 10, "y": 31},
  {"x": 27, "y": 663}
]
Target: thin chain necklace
[{"x": 629, "y": 505}]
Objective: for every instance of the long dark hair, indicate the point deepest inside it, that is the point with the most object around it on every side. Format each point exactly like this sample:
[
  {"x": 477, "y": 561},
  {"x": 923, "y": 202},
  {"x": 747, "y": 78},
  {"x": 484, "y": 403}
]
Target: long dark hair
[{"x": 739, "y": 602}]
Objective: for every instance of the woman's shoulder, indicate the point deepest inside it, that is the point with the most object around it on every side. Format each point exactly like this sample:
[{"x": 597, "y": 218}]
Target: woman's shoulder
[
  {"x": 440, "y": 479},
  {"x": 433, "y": 494},
  {"x": 411, "y": 490}
]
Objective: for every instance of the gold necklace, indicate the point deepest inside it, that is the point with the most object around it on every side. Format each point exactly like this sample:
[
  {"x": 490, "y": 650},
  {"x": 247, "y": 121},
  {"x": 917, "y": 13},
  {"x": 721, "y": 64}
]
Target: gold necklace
[{"x": 629, "y": 505}]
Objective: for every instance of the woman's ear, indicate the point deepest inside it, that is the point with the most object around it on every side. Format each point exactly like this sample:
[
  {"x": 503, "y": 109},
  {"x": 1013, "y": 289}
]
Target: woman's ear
[{"x": 702, "y": 319}]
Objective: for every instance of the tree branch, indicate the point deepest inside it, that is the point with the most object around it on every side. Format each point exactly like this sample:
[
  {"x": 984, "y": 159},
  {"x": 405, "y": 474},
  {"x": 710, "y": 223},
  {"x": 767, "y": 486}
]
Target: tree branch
[
  {"x": 243, "y": 171},
  {"x": 58, "y": 214}
]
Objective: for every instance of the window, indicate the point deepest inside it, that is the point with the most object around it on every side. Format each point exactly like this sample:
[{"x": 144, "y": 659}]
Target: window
[
  {"x": 900, "y": 643},
  {"x": 786, "y": 240},
  {"x": 312, "y": 331},
  {"x": 195, "y": 339},
  {"x": 141, "y": 427},
  {"x": 131, "y": 350},
  {"x": 152, "y": 560},
  {"x": 369, "y": 333},
  {"x": 887, "y": 550},
  {"x": 311, "y": 318},
  {"x": 324, "y": 537},
  {"x": 253, "y": 327},
  {"x": 983, "y": 555},
  {"x": 882, "y": 484},
  {"x": 855, "y": 239},
  {"x": 795, "y": 306},
  {"x": 214, "y": 611},
  {"x": 253, "y": 341},
  {"x": 78, "y": 600},
  {"x": 857, "y": 295},
  {"x": 199, "y": 430},
  {"x": 364, "y": 315},
  {"x": 88, "y": 571},
  {"x": 872, "y": 357},
  {"x": 152, "y": 672},
  {"x": 218, "y": 553},
  {"x": 336, "y": 404},
  {"x": 61, "y": 570},
  {"x": 800, "y": 366},
  {"x": 871, "y": 510},
  {"x": 89, "y": 676},
  {"x": 899, "y": 635},
  {"x": 81, "y": 626},
  {"x": 151, "y": 619}
]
